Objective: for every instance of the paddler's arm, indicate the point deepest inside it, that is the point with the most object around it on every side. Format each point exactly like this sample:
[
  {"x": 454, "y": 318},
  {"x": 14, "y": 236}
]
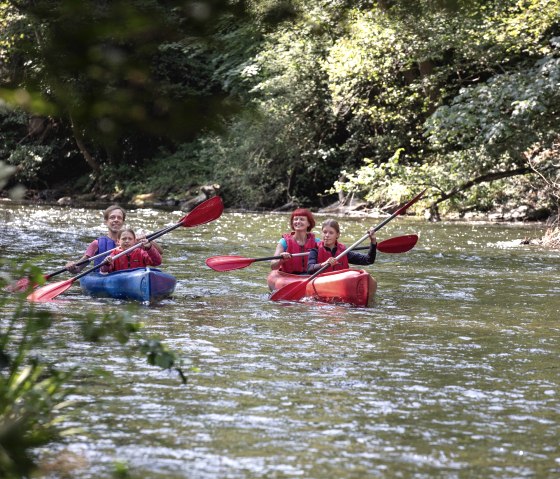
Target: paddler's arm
[
  {"x": 364, "y": 259},
  {"x": 91, "y": 250},
  {"x": 153, "y": 253},
  {"x": 275, "y": 263},
  {"x": 153, "y": 243},
  {"x": 107, "y": 265},
  {"x": 158, "y": 247},
  {"x": 312, "y": 265}
]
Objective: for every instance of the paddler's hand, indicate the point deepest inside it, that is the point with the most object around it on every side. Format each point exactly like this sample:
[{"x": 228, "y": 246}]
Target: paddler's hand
[
  {"x": 329, "y": 262},
  {"x": 372, "y": 236},
  {"x": 145, "y": 243},
  {"x": 286, "y": 256},
  {"x": 142, "y": 236},
  {"x": 72, "y": 268}
]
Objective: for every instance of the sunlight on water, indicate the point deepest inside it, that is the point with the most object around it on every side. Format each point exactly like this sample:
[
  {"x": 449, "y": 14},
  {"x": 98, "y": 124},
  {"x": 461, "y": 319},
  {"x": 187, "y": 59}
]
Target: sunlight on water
[{"x": 452, "y": 373}]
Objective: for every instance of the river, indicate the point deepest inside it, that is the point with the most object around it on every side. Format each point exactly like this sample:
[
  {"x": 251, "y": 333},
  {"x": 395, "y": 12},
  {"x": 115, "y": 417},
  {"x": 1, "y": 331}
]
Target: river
[{"x": 452, "y": 373}]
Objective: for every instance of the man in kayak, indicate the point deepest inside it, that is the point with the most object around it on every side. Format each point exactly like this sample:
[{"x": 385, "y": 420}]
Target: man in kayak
[
  {"x": 145, "y": 255},
  {"x": 326, "y": 251},
  {"x": 114, "y": 217},
  {"x": 299, "y": 240}
]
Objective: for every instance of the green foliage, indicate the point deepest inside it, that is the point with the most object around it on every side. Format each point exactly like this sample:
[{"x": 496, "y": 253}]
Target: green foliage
[
  {"x": 33, "y": 390},
  {"x": 367, "y": 76},
  {"x": 40, "y": 149},
  {"x": 121, "y": 470},
  {"x": 492, "y": 68},
  {"x": 32, "y": 162},
  {"x": 392, "y": 183},
  {"x": 246, "y": 174},
  {"x": 169, "y": 174},
  {"x": 281, "y": 148},
  {"x": 13, "y": 125},
  {"x": 509, "y": 112},
  {"x": 327, "y": 85},
  {"x": 12, "y": 120},
  {"x": 338, "y": 86},
  {"x": 6, "y": 172},
  {"x": 129, "y": 76}
]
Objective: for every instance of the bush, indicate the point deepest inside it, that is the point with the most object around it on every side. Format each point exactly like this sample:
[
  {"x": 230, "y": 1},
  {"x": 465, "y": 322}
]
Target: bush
[{"x": 32, "y": 389}]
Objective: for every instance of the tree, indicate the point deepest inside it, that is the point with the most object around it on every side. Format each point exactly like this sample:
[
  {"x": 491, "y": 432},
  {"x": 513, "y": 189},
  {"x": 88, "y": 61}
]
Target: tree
[
  {"x": 493, "y": 70},
  {"x": 122, "y": 78}
]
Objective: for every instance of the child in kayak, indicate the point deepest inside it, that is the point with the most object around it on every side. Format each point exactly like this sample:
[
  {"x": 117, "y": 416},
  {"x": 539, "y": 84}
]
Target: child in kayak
[
  {"x": 326, "y": 251},
  {"x": 113, "y": 217},
  {"x": 299, "y": 240},
  {"x": 145, "y": 255}
]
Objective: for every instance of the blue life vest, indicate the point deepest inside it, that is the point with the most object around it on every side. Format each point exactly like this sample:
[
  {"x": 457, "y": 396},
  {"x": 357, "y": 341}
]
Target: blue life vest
[{"x": 104, "y": 243}]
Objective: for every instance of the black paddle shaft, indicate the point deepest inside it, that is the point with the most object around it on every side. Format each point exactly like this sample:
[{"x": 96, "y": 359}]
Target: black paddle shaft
[
  {"x": 151, "y": 237},
  {"x": 402, "y": 209}
]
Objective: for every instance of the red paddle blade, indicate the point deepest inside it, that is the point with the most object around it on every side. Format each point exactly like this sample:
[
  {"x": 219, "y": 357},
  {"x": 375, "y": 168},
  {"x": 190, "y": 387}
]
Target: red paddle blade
[
  {"x": 26, "y": 283},
  {"x": 20, "y": 285},
  {"x": 205, "y": 212},
  {"x": 51, "y": 291},
  {"x": 399, "y": 244},
  {"x": 228, "y": 263},
  {"x": 290, "y": 292}
]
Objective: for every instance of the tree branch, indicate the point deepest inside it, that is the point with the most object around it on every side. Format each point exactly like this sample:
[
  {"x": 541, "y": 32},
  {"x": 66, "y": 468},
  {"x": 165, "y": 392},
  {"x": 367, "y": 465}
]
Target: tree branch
[{"x": 486, "y": 178}]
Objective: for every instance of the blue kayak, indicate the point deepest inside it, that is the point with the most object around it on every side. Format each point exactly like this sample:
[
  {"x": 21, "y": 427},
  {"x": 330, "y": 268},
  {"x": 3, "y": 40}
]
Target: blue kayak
[{"x": 138, "y": 284}]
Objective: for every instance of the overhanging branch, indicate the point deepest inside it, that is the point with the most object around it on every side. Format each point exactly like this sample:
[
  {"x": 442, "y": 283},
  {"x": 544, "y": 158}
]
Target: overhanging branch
[{"x": 486, "y": 178}]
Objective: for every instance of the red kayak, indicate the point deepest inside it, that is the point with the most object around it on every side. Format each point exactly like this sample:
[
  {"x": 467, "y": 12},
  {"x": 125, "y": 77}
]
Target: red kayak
[{"x": 353, "y": 286}]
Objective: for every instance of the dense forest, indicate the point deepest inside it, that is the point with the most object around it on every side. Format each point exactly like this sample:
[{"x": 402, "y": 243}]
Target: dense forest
[{"x": 283, "y": 102}]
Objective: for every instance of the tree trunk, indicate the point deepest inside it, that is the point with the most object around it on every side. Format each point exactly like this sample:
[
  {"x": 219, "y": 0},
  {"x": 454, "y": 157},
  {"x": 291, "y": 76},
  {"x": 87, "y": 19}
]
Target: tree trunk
[{"x": 90, "y": 160}]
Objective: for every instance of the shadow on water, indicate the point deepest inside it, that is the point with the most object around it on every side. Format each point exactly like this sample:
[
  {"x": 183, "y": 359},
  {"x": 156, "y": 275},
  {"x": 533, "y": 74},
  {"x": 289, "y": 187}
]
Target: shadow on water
[{"x": 452, "y": 373}]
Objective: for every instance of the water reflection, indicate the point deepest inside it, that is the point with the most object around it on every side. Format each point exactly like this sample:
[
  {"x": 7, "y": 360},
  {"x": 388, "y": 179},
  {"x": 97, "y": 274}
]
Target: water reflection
[{"x": 452, "y": 372}]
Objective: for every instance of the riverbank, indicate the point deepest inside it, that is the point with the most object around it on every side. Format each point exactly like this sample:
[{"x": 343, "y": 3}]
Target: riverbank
[{"x": 357, "y": 209}]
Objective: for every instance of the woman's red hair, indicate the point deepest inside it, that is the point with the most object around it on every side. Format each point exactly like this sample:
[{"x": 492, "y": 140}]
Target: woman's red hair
[{"x": 303, "y": 212}]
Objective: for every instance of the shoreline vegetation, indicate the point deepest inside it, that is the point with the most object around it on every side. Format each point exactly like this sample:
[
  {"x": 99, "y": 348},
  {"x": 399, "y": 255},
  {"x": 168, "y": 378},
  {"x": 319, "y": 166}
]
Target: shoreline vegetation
[
  {"x": 354, "y": 209},
  {"x": 315, "y": 105}
]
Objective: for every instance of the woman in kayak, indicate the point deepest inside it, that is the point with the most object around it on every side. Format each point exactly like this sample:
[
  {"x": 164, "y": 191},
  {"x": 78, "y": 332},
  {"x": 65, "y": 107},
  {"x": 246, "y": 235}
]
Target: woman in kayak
[
  {"x": 145, "y": 255},
  {"x": 299, "y": 240},
  {"x": 326, "y": 251}
]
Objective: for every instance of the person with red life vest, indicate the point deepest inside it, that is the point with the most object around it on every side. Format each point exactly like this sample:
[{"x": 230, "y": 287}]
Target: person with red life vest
[
  {"x": 145, "y": 255},
  {"x": 327, "y": 249},
  {"x": 299, "y": 240},
  {"x": 114, "y": 217}
]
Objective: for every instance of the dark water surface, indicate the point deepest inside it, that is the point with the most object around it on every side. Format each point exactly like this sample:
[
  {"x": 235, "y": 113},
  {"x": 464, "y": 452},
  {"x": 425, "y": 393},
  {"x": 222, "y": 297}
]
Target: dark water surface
[{"x": 454, "y": 372}]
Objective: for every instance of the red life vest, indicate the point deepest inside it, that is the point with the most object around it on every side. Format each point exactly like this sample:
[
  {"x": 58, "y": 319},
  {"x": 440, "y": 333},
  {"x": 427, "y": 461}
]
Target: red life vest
[
  {"x": 298, "y": 264},
  {"x": 323, "y": 255},
  {"x": 137, "y": 258}
]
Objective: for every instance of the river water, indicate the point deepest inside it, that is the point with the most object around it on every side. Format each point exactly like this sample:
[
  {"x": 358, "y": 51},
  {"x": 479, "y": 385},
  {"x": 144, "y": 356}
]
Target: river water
[{"x": 452, "y": 373}]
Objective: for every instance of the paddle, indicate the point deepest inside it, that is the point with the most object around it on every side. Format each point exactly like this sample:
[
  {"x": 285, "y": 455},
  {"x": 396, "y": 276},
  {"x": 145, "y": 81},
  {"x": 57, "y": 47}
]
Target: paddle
[
  {"x": 399, "y": 244},
  {"x": 296, "y": 290},
  {"x": 24, "y": 283},
  {"x": 204, "y": 213}
]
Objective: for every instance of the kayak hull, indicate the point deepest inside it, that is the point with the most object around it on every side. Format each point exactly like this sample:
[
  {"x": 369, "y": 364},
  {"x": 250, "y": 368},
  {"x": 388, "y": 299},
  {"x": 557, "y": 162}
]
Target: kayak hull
[
  {"x": 147, "y": 285},
  {"x": 356, "y": 287}
]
